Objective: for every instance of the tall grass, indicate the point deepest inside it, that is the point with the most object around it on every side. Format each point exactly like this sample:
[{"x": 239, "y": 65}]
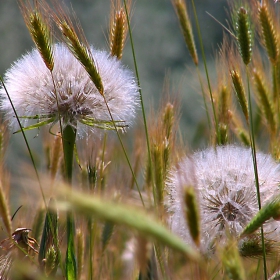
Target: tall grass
[{"x": 107, "y": 201}]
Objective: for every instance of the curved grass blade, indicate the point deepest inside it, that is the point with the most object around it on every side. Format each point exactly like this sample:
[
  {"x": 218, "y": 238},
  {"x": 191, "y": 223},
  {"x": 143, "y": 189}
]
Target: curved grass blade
[
  {"x": 37, "y": 125},
  {"x": 125, "y": 215},
  {"x": 270, "y": 210}
]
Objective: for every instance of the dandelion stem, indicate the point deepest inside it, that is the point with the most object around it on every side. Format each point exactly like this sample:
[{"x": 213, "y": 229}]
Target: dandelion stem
[
  {"x": 69, "y": 136},
  {"x": 68, "y": 140}
]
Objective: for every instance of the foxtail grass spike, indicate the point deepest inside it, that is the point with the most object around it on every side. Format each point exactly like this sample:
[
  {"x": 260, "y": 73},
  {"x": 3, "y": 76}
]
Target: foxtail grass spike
[
  {"x": 182, "y": 14},
  {"x": 107, "y": 233},
  {"x": 243, "y": 136},
  {"x": 168, "y": 120},
  {"x": 51, "y": 261},
  {"x": 251, "y": 246},
  {"x": 118, "y": 34},
  {"x": 265, "y": 103},
  {"x": 231, "y": 261},
  {"x": 223, "y": 103},
  {"x": 158, "y": 171},
  {"x": 268, "y": 31},
  {"x": 50, "y": 233},
  {"x": 244, "y": 35},
  {"x": 80, "y": 50},
  {"x": 240, "y": 92},
  {"x": 270, "y": 210},
  {"x": 40, "y": 31},
  {"x": 192, "y": 213},
  {"x": 223, "y": 114},
  {"x": 223, "y": 134},
  {"x": 168, "y": 125}
]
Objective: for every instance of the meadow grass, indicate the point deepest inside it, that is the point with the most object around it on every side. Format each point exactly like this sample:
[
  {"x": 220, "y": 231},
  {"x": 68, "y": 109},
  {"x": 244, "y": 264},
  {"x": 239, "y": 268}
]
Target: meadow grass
[{"x": 115, "y": 204}]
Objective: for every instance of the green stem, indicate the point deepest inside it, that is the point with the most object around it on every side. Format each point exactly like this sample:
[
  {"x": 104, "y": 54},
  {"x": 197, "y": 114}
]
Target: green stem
[
  {"x": 68, "y": 140},
  {"x": 206, "y": 72},
  {"x": 142, "y": 103},
  {"x": 253, "y": 149}
]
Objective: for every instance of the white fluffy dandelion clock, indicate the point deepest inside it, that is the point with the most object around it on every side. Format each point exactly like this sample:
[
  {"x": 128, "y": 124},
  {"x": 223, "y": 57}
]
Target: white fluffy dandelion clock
[
  {"x": 68, "y": 93},
  {"x": 225, "y": 183}
]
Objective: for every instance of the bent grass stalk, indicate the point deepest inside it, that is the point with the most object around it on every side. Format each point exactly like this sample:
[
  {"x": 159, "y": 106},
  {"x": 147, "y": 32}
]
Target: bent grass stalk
[{"x": 119, "y": 214}]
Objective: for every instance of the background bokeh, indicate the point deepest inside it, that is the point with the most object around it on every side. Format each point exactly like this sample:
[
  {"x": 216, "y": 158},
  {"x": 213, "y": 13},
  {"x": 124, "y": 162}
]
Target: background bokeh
[{"x": 163, "y": 60}]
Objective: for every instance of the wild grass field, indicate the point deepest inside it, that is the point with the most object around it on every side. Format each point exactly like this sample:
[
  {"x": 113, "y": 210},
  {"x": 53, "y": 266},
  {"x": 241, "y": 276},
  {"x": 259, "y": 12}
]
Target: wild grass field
[{"x": 100, "y": 200}]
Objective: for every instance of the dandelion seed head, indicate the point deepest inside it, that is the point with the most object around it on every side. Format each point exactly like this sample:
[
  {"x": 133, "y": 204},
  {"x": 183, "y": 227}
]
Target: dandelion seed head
[
  {"x": 69, "y": 91},
  {"x": 225, "y": 181}
]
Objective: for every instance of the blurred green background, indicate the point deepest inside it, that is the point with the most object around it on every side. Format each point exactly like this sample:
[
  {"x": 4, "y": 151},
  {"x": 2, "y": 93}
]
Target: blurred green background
[{"x": 160, "y": 49}]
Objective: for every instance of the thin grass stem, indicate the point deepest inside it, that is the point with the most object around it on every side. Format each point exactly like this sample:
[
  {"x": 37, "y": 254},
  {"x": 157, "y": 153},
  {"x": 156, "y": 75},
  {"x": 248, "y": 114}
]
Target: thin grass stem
[
  {"x": 206, "y": 72},
  {"x": 253, "y": 149},
  {"x": 204, "y": 98},
  {"x": 141, "y": 100},
  {"x": 26, "y": 142}
]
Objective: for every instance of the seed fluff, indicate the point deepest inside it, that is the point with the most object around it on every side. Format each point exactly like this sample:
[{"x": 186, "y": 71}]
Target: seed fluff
[
  {"x": 69, "y": 92},
  {"x": 224, "y": 179}
]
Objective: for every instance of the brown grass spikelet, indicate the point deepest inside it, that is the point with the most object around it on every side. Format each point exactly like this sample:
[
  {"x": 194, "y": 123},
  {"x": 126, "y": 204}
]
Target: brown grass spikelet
[
  {"x": 264, "y": 100},
  {"x": 223, "y": 104},
  {"x": 40, "y": 31},
  {"x": 168, "y": 120},
  {"x": 157, "y": 156},
  {"x": 168, "y": 123},
  {"x": 268, "y": 32},
  {"x": 118, "y": 28},
  {"x": 223, "y": 113},
  {"x": 55, "y": 156},
  {"x": 78, "y": 45},
  {"x": 240, "y": 92},
  {"x": 117, "y": 34},
  {"x": 5, "y": 211},
  {"x": 182, "y": 14}
]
